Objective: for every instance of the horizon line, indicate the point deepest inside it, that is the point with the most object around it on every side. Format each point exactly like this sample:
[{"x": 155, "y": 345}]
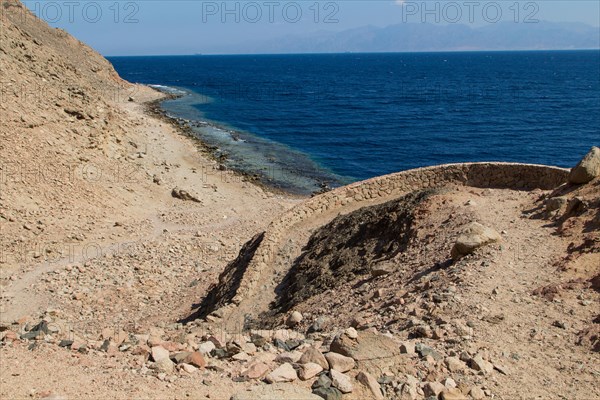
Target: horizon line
[{"x": 358, "y": 52}]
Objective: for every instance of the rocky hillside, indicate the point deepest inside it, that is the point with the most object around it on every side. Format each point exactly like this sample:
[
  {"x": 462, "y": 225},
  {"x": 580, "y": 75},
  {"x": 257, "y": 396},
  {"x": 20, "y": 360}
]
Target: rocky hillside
[
  {"x": 63, "y": 139},
  {"x": 123, "y": 253}
]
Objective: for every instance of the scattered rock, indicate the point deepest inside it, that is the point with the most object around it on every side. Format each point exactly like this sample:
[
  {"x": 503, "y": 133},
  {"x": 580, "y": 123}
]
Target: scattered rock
[
  {"x": 313, "y": 355},
  {"x": 184, "y": 195},
  {"x": 329, "y": 393},
  {"x": 381, "y": 270},
  {"x": 309, "y": 370},
  {"x": 289, "y": 357},
  {"x": 476, "y": 393},
  {"x": 206, "y": 347},
  {"x": 159, "y": 353},
  {"x": 196, "y": 359},
  {"x": 587, "y": 169},
  {"x": 371, "y": 383},
  {"x": 407, "y": 348},
  {"x": 369, "y": 346},
  {"x": 479, "y": 364},
  {"x": 453, "y": 394},
  {"x": 165, "y": 365},
  {"x": 294, "y": 319},
  {"x": 341, "y": 381},
  {"x": 449, "y": 383},
  {"x": 433, "y": 389},
  {"x": 283, "y": 373},
  {"x": 339, "y": 362},
  {"x": 473, "y": 237},
  {"x": 555, "y": 203},
  {"x": 190, "y": 369},
  {"x": 256, "y": 371},
  {"x": 424, "y": 351},
  {"x": 560, "y": 324},
  {"x": 351, "y": 333},
  {"x": 318, "y": 325},
  {"x": 454, "y": 364}
]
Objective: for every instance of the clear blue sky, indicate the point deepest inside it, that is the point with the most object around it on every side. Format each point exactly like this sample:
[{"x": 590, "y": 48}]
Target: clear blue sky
[{"x": 187, "y": 27}]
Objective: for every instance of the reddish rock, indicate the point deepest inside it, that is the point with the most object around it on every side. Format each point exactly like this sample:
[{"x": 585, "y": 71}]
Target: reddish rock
[{"x": 196, "y": 359}]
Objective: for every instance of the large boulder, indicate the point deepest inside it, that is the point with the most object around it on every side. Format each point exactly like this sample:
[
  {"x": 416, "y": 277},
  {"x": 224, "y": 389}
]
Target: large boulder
[
  {"x": 371, "y": 351},
  {"x": 587, "y": 169},
  {"x": 473, "y": 237}
]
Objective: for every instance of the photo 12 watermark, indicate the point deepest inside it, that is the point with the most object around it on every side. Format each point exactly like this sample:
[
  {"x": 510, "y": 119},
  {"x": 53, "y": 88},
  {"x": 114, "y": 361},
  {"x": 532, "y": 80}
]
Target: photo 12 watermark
[
  {"x": 469, "y": 12},
  {"x": 272, "y": 12},
  {"x": 92, "y": 12}
]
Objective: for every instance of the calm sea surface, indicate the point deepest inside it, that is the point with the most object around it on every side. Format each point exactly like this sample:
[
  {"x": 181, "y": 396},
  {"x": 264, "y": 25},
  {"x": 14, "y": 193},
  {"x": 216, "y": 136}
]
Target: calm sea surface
[{"x": 301, "y": 120}]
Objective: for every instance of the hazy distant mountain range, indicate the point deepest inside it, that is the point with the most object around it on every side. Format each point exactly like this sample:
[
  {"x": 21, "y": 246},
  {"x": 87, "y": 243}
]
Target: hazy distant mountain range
[{"x": 430, "y": 37}]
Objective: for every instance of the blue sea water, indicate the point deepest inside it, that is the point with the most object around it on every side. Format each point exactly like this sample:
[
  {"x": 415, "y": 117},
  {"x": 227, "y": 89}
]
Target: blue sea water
[{"x": 301, "y": 120}]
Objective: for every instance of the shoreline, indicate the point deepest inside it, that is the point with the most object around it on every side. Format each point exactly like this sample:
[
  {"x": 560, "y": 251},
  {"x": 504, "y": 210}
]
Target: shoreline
[{"x": 153, "y": 108}]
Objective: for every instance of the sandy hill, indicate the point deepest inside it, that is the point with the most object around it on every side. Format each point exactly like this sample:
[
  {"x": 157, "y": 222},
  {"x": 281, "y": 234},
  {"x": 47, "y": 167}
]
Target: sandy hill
[{"x": 133, "y": 267}]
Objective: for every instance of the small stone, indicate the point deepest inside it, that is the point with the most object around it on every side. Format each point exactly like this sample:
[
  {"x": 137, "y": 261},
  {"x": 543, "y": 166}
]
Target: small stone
[
  {"x": 424, "y": 351},
  {"x": 184, "y": 195},
  {"x": 256, "y": 371},
  {"x": 190, "y": 369},
  {"x": 241, "y": 356},
  {"x": 555, "y": 203},
  {"x": 318, "y": 325},
  {"x": 196, "y": 359},
  {"x": 206, "y": 347},
  {"x": 381, "y": 270},
  {"x": 433, "y": 389},
  {"x": 313, "y": 355},
  {"x": 165, "y": 365},
  {"x": 449, "y": 383},
  {"x": 351, "y": 333},
  {"x": 473, "y": 237},
  {"x": 180, "y": 357},
  {"x": 453, "y": 394},
  {"x": 294, "y": 319},
  {"x": 288, "y": 357},
  {"x": 322, "y": 381},
  {"x": 159, "y": 353},
  {"x": 407, "y": 348},
  {"x": 560, "y": 324},
  {"x": 329, "y": 393},
  {"x": 423, "y": 331},
  {"x": 309, "y": 370},
  {"x": 502, "y": 369},
  {"x": 476, "y": 393},
  {"x": 371, "y": 383},
  {"x": 479, "y": 364},
  {"x": 341, "y": 381},
  {"x": 339, "y": 362},
  {"x": 454, "y": 364},
  {"x": 283, "y": 373}
]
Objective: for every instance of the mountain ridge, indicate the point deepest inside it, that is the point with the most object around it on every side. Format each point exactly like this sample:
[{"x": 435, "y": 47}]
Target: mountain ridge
[{"x": 427, "y": 37}]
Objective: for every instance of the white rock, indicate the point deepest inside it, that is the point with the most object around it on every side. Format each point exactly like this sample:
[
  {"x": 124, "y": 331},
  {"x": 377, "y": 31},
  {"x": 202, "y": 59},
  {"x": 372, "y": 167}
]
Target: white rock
[
  {"x": 340, "y": 362},
  {"x": 294, "y": 319},
  {"x": 351, "y": 333},
  {"x": 309, "y": 370},
  {"x": 159, "y": 353},
  {"x": 206, "y": 347},
  {"x": 190, "y": 369},
  {"x": 283, "y": 373},
  {"x": 341, "y": 381}
]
